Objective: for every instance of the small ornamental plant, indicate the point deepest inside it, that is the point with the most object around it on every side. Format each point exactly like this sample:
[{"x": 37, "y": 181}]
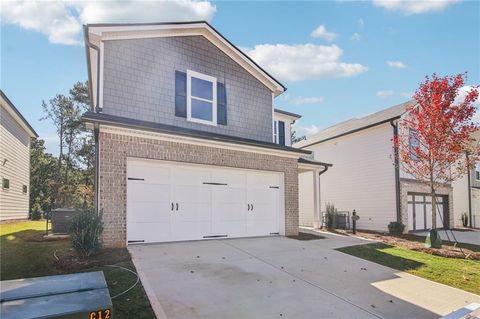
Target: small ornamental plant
[
  {"x": 85, "y": 231},
  {"x": 396, "y": 229},
  {"x": 434, "y": 142}
]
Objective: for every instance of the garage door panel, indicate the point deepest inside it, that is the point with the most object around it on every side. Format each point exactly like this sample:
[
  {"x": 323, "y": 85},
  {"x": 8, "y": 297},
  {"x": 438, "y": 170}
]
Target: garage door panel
[
  {"x": 151, "y": 213},
  {"x": 149, "y": 232},
  {"x": 192, "y": 194},
  {"x": 185, "y": 175},
  {"x": 232, "y": 178},
  {"x": 423, "y": 212},
  {"x": 139, "y": 191}
]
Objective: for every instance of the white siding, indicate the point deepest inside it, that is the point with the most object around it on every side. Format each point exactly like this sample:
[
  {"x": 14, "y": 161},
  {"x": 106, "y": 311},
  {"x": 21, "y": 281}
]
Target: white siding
[
  {"x": 460, "y": 199},
  {"x": 362, "y": 176},
  {"x": 15, "y": 149},
  {"x": 305, "y": 199}
]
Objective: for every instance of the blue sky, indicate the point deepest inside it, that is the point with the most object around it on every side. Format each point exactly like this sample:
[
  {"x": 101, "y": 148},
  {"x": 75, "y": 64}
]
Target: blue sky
[{"x": 364, "y": 56}]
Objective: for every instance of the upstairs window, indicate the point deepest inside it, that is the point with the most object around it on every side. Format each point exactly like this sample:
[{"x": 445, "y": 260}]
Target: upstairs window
[
  {"x": 24, "y": 189},
  {"x": 275, "y": 132},
  {"x": 413, "y": 141},
  {"x": 477, "y": 171},
  {"x": 201, "y": 98},
  {"x": 279, "y": 132}
]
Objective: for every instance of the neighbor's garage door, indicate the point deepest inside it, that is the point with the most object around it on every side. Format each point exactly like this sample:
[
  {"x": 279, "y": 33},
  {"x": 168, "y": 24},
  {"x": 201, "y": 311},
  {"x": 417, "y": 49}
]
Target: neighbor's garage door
[
  {"x": 420, "y": 211},
  {"x": 171, "y": 202}
]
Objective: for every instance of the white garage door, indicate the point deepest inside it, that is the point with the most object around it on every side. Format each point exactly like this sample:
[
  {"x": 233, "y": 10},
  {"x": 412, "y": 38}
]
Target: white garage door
[
  {"x": 420, "y": 212},
  {"x": 172, "y": 202}
]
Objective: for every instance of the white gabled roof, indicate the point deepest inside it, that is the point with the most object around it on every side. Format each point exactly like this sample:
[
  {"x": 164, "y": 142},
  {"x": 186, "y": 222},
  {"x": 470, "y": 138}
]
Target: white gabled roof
[
  {"x": 96, "y": 33},
  {"x": 355, "y": 124}
]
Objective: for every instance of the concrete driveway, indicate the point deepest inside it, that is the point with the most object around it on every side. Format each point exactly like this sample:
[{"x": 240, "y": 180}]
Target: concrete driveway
[
  {"x": 468, "y": 237},
  {"x": 278, "y": 277}
]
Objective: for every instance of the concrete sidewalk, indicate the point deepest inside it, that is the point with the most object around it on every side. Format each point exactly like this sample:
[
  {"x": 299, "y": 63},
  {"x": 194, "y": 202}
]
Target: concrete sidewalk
[{"x": 278, "y": 277}]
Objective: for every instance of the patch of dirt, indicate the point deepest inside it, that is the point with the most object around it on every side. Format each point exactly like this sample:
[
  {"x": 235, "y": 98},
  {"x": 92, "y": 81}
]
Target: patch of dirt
[
  {"x": 69, "y": 260},
  {"x": 406, "y": 241},
  {"x": 306, "y": 236}
]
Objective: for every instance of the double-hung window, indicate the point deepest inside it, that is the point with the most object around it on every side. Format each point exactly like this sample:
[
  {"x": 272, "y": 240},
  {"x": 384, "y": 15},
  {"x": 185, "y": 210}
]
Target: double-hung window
[
  {"x": 201, "y": 98},
  {"x": 413, "y": 141},
  {"x": 477, "y": 171},
  {"x": 275, "y": 132}
]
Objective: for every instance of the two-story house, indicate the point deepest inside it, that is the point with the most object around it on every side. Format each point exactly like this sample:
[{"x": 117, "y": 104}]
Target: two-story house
[
  {"x": 15, "y": 135},
  {"x": 364, "y": 178},
  {"x": 188, "y": 143}
]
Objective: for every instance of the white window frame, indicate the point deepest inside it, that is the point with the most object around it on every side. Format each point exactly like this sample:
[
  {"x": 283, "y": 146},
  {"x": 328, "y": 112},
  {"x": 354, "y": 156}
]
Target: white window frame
[
  {"x": 477, "y": 169},
  {"x": 208, "y": 78},
  {"x": 275, "y": 132}
]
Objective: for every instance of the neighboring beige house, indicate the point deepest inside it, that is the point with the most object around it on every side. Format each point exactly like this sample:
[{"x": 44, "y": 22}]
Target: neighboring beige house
[
  {"x": 466, "y": 196},
  {"x": 364, "y": 177},
  {"x": 188, "y": 143},
  {"x": 15, "y": 135}
]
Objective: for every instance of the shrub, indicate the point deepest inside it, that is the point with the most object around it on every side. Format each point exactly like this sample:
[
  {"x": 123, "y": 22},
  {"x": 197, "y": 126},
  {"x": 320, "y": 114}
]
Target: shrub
[
  {"x": 396, "y": 228},
  {"x": 85, "y": 229},
  {"x": 465, "y": 220},
  {"x": 36, "y": 212},
  {"x": 330, "y": 215}
]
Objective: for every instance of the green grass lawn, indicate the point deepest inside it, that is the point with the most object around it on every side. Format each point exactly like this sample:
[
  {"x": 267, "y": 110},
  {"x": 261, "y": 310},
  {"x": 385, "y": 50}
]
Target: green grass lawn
[
  {"x": 459, "y": 273},
  {"x": 25, "y": 254}
]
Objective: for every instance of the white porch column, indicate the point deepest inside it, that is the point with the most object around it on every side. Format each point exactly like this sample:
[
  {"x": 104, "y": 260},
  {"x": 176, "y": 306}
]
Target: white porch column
[{"x": 317, "y": 214}]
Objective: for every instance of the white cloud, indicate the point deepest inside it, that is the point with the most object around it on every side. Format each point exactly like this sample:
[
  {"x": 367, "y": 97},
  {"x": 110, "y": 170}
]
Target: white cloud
[
  {"x": 414, "y": 7},
  {"x": 356, "y": 37},
  {"x": 303, "y": 61},
  {"x": 396, "y": 64},
  {"x": 361, "y": 23},
  {"x": 62, "y": 21},
  {"x": 384, "y": 94},
  {"x": 300, "y": 100},
  {"x": 321, "y": 32},
  {"x": 305, "y": 130},
  {"x": 463, "y": 91}
]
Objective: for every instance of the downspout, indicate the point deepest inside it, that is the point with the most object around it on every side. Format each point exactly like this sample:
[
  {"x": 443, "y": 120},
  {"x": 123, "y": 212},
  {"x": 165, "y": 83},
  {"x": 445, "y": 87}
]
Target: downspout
[
  {"x": 97, "y": 160},
  {"x": 325, "y": 168},
  {"x": 469, "y": 179},
  {"x": 397, "y": 172}
]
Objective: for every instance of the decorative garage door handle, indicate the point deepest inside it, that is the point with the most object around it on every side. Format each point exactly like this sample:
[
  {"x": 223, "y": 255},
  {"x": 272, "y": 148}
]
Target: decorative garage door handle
[
  {"x": 172, "y": 206},
  {"x": 177, "y": 206},
  {"x": 252, "y": 206},
  {"x": 248, "y": 207}
]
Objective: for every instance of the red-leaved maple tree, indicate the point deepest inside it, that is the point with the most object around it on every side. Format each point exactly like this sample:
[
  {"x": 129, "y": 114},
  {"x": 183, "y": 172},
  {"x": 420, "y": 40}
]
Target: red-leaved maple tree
[{"x": 435, "y": 134}]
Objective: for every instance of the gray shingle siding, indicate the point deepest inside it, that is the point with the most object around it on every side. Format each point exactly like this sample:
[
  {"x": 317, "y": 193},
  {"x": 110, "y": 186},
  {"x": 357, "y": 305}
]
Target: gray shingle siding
[{"x": 139, "y": 83}]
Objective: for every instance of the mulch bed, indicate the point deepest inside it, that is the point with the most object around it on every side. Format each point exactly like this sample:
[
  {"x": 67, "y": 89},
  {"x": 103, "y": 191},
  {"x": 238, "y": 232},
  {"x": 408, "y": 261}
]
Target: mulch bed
[{"x": 407, "y": 242}]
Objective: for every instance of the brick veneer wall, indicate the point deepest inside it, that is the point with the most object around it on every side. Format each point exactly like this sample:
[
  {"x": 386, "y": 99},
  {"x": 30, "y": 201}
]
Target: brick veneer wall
[
  {"x": 408, "y": 185},
  {"x": 116, "y": 148}
]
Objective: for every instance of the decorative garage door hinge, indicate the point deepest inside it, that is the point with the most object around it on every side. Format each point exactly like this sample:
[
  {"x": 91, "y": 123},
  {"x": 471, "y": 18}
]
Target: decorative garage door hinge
[
  {"x": 274, "y": 187},
  {"x": 136, "y": 241},
  {"x": 135, "y": 179},
  {"x": 215, "y": 236},
  {"x": 207, "y": 183},
  {"x": 275, "y": 233}
]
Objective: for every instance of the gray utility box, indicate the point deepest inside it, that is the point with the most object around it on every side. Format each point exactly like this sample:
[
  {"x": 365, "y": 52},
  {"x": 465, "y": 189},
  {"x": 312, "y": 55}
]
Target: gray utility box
[
  {"x": 75, "y": 296},
  {"x": 60, "y": 219}
]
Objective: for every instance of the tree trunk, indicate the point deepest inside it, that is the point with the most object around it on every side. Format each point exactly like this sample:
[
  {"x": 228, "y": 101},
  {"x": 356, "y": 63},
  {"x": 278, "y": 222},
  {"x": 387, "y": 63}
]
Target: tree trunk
[{"x": 434, "y": 203}]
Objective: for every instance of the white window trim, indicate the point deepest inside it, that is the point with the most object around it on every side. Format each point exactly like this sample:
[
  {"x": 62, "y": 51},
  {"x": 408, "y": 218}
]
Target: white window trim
[
  {"x": 275, "y": 132},
  {"x": 208, "y": 78}
]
